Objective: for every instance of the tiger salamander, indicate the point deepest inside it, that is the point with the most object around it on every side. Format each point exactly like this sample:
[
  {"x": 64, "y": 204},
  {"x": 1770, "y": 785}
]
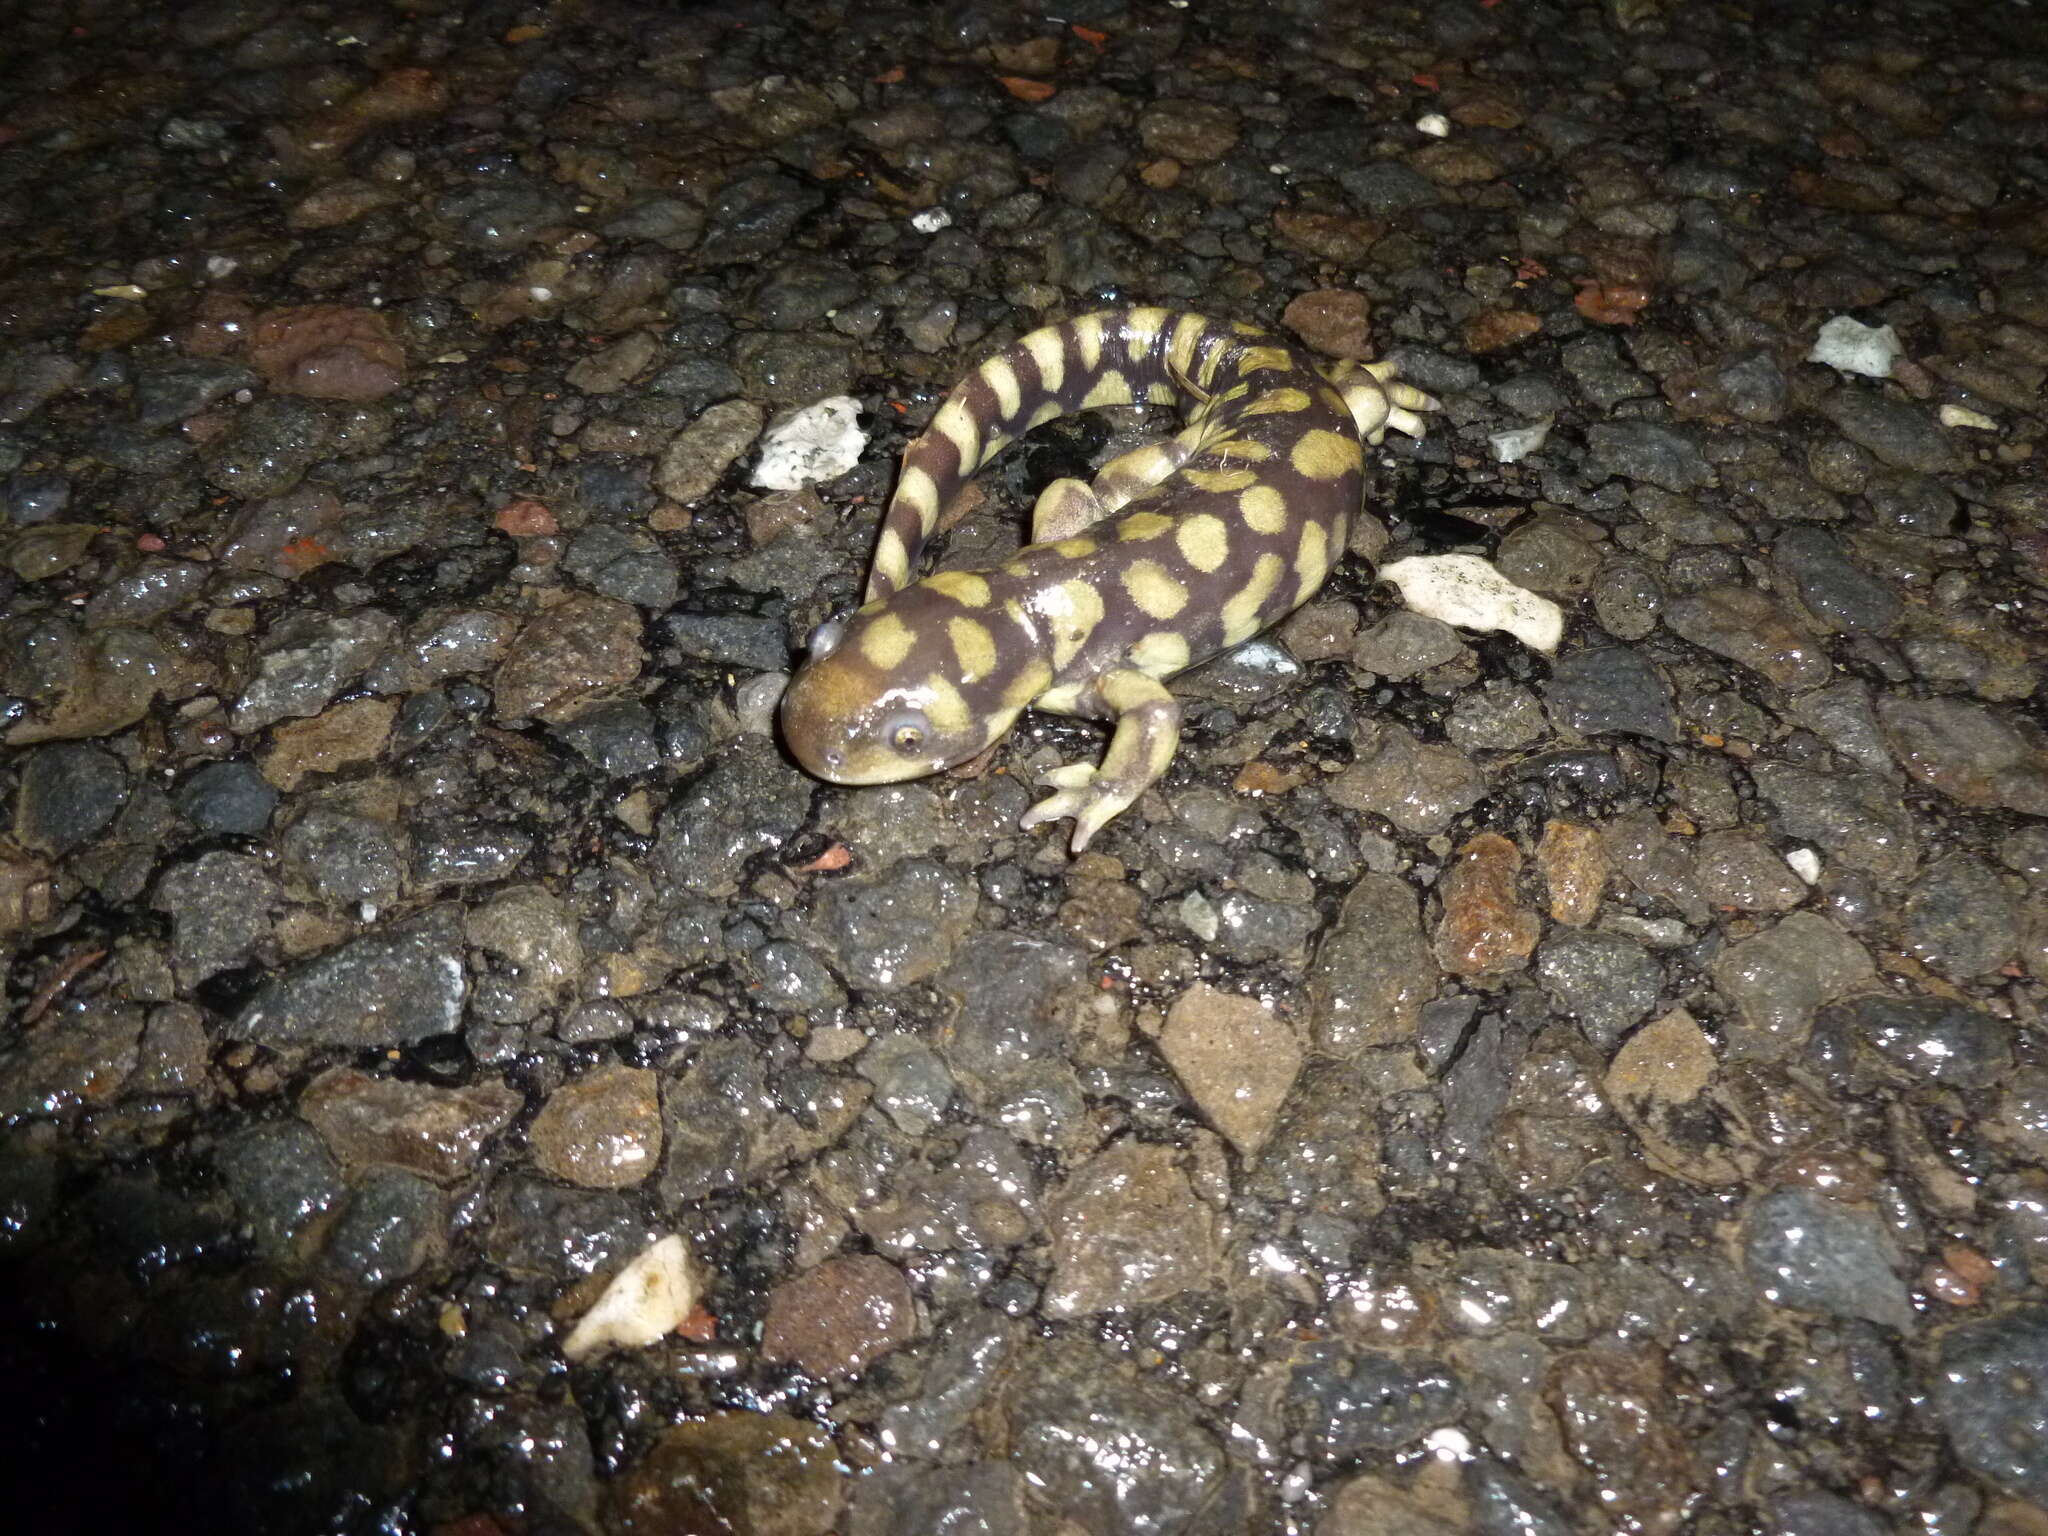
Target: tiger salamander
[{"x": 1178, "y": 550}]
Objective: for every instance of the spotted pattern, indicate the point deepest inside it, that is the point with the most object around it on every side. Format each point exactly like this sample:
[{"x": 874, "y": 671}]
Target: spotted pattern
[{"x": 1232, "y": 521}]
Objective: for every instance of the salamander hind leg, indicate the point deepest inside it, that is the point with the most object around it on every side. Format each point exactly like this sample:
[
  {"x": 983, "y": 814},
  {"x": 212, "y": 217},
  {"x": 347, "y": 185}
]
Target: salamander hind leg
[
  {"x": 1147, "y": 732},
  {"x": 1063, "y": 509}
]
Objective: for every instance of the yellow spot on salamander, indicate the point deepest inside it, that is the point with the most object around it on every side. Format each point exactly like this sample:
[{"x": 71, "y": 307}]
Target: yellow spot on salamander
[
  {"x": 1026, "y": 685},
  {"x": 1161, "y": 653},
  {"x": 1141, "y": 332},
  {"x": 1072, "y": 610},
  {"x": 1157, "y": 594},
  {"x": 1001, "y": 379},
  {"x": 1241, "y": 616},
  {"x": 1161, "y": 393},
  {"x": 886, "y": 642},
  {"x": 1076, "y": 549},
  {"x": 1324, "y": 455},
  {"x": 1187, "y": 337},
  {"x": 1088, "y": 342},
  {"x": 956, "y": 424},
  {"x": 1143, "y": 525},
  {"x": 1111, "y": 389},
  {"x": 973, "y": 647},
  {"x": 1248, "y": 448},
  {"x": 1265, "y": 360},
  {"x": 1048, "y": 349},
  {"x": 1204, "y": 541},
  {"x": 1224, "y": 480},
  {"x": 944, "y": 706},
  {"x": 1311, "y": 560},
  {"x": 1046, "y": 412},
  {"x": 1263, "y": 509},
  {"x": 1278, "y": 402},
  {"x": 892, "y": 562},
  {"x": 919, "y": 492},
  {"x": 967, "y": 588}
]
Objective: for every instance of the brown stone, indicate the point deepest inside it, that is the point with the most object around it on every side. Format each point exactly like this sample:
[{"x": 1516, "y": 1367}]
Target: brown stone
[
  {"x": 1337, "y": 322},
  {"x": 1485, "y": 930},
  {"x": 1235, "y": 1057},
  {"x": 566, "y": 654},
  {"x": 1332, "y": 236},
  {"x": 438, "y": 1133},
  {"x": 765, "y": 1474},
  {"x": 1495, "y": 330},
  {"x": 1572, "y": 859},
  {"x": 602, "y": 1131},
  {"x": 351, "y": 732},
  {"x": 835, "y": 1319},
  {"x": 328, "y": 352}
]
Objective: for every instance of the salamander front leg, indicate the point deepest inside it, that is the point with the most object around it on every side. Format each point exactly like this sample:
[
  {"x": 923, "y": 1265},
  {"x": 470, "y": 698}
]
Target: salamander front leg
[{"x": 1147, "y": 732}]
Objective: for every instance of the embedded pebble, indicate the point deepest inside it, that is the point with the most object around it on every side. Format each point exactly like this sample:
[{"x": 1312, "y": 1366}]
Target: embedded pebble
[
  {"x": 1613, "y": 689},
  {"x": 231, "y": 799},
  {"x": 837, "y": 1318},
  {"x": 1604, "y": 980},
  {"x": 601, "y": 1130},
  {"x": 560, "y": 658},
  {"x": 1108, "y": 1447},
  {"x": 1846, "y": 343},
  {"x": 1750, "y": 629},
  {"x": 1127, "y": 1231},
  {"x": 1991, "y": 1394},
  {"x": 1418, "y": 786},
  {"x": 68, "y": 794},
  {"x": 1663, "y": 1084},
  {"x": 390, "y": 987},
  {"x": 1484, "y": 929},
  {"x": 1236, "y": 1060},
  {"x": 644, "y": 1302},
  {"x": 1804, "y": 1250},
  {"x": 1778, "y": 979},
  {"x": 281, "y": 1178},
  {"x": 437, "y": 1133},
  {"x": 769, "y": 1471},
  {"x": 1373, "y": 970}
]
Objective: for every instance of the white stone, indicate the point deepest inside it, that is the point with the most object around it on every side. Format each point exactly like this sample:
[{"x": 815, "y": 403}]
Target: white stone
[
  {"x": 646, "y": 1301},
  {"x": 1468, "y": 592},
  {"x": 1850, "y": 345},
  {"x": 1805, "y": 864},
  {"x": 819, "y": 442},
  {"x": 1963, "y": 416},
  {"x": 755, "y": 700},
  {"x": 1513, "y": 444},
  {"x": 1435, "y": 124},
  {"x": 930, "y": 221}
]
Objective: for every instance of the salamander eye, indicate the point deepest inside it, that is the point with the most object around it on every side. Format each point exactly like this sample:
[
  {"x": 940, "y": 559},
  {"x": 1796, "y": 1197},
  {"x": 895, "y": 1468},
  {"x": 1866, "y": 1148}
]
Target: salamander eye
[{"x": 906, "y": 732}]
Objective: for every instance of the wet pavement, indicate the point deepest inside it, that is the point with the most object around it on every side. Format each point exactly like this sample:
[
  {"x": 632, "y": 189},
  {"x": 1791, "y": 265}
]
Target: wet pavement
[{"x": 1475, "y": 1091}]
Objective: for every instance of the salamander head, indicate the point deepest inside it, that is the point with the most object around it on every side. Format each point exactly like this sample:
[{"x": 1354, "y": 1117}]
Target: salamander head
[{"x": 871, "y": 706}]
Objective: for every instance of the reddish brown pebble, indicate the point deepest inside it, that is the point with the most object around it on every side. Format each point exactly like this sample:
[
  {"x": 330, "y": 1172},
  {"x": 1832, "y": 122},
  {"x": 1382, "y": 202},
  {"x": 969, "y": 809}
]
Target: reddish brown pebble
[
  {"x": 835, "y": 1319},
  {"x": 1573, "y": 862},
  {"x": 1495, "y": 330},
  {"x": 1484, "y": 930},
  {"x": 1336, "y": 322},
  {"x": 328, "y": 352},
  {"x": 526, "y": 519}
]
